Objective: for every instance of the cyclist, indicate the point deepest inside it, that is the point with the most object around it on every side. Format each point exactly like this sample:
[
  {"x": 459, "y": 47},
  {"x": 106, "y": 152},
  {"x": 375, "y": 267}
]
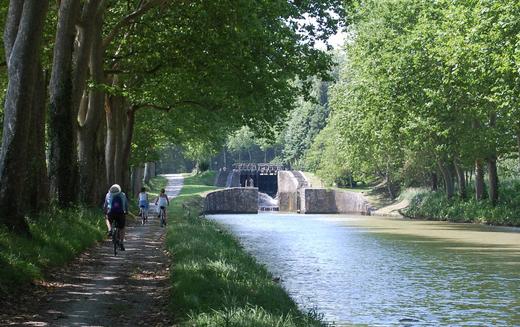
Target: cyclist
[
  {"x": 116, "y": 208},
  {"x": 143, "y": 203},
  {"x": 163, "y": 202}
]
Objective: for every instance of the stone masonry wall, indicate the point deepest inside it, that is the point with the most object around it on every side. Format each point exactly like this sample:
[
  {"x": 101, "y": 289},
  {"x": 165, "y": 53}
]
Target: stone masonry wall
[
  {"x": 232, "y": 200},
  {"x": 319, "y": 200},
  {"x": 287, "y": 192}
]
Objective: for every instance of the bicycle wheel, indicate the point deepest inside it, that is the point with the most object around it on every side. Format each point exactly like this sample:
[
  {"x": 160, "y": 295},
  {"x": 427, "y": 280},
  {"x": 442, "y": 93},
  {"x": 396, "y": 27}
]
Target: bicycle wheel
[
  {"x": 143, "y": 218},
  {"x": 163, "y": 223},
  {"x": 115, "y": 239}
]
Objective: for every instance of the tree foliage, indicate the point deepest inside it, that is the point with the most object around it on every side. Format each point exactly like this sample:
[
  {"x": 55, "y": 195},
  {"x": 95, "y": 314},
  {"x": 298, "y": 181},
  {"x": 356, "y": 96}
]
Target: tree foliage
[
  {"x": 429, "y": 87},
  {"x": 128, "y": 78}
]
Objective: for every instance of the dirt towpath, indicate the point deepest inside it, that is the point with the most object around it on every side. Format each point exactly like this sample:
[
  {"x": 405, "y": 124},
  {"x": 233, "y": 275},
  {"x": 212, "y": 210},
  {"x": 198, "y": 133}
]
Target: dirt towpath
[{"x": 100, "y": 289}]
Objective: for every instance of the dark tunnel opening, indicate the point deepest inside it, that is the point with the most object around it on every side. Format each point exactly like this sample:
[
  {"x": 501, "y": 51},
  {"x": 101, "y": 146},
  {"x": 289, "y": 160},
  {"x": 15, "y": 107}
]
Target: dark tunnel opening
[{"x": 266, "y": 183}]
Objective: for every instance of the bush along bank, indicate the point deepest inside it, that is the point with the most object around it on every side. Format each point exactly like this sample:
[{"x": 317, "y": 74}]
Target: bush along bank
[
  {"x": 215, "y": 282},
  {"x": 435, "y": 206},
  {"x": 56, "y": 237}
]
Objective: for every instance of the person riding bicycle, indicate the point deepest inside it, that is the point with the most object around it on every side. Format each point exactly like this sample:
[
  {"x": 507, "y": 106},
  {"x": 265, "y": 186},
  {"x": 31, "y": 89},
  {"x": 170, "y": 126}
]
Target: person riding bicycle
[
  {"x": 143, "y": 203},
  {"x": 163, "y": 201},
  {"x": 116, "y": 208}
]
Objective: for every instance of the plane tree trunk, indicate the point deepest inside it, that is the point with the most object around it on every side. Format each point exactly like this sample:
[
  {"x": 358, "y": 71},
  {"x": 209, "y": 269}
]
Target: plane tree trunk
[
  {"x": 448, "y": 179},
  {"x": 461, "y": 180},
  {"x": 22, "y": 42},
  {"x": 63, "y": 170},
  {"x": 91, "y": 117},
  {"x": 38, "y": 194}
]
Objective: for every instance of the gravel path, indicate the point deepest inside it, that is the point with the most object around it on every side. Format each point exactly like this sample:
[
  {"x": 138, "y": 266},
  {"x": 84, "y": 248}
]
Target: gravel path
[{"x": 99, "y": 289}]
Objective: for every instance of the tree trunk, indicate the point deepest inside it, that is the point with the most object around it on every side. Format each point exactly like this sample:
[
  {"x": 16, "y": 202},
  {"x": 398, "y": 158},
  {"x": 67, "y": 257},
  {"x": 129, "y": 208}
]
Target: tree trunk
[
  {"x": 137, "y": 179},
  {"x": 493, "y": 180},
  {"x": 146, "y": 175},
  {"x": 389, "y": 187},
  {"x": 492, "y": 163},
  {"x": 153, "y": 169},
  {"x": 448, "y": 179},
  {"x": 518, "y": 145},
  {"x": 148, "y": 172},
  {"x": 12, "y": 24},
  {"x": 461, "y": 180},
  {"x": 479, "y": 180},
  {"x": 120, "y": 115},
  {"x": 91, "y": 20},
  {"x": 64, "y": 170},
  {"x": 114, "y": 107},
  {"x": 389, "y": 181},
  {"x": 102, "y": 184},
  {"x": 90, "y": 121},
  {"x": 38, "y": 194},
  {"x": 110, "y": 150},
  {"x": 128, "y": 136},
  {"x": 23, "y": 34},
  {"x": 435, "y": 181}
]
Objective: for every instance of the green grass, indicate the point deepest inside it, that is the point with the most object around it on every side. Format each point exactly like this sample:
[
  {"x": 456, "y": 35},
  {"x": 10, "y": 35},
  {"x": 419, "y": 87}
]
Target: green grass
[
  {"x": 435, "y": 206},
  {"x": 154, "y": 186},
  {"x": 206, "y": 178},
  {"x": 314, "y": 180},
  {"x": 215, "y": 282},
  {"x": 57, "y": 237}
]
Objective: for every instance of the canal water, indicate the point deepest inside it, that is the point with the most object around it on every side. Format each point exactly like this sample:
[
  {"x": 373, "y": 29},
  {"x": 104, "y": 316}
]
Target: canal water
[{"x": 377, "y": 271}]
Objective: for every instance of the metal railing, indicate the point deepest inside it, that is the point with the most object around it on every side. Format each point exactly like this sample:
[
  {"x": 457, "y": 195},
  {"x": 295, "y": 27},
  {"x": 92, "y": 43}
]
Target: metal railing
[{"x": 258, "y": 167}]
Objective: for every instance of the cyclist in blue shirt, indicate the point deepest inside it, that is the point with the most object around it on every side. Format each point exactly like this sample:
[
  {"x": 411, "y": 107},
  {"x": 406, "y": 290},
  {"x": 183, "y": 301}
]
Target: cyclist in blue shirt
[{"x": 116, "y": 208}]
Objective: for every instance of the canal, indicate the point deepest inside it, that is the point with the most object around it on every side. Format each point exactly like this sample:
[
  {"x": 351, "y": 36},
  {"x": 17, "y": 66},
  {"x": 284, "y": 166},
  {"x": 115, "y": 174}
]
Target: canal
[{"x": 377, "y": 271}]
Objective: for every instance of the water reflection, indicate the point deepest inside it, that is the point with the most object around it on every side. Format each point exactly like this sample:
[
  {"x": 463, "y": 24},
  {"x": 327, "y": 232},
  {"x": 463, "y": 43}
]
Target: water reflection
[{"x": 365, "y": 270}]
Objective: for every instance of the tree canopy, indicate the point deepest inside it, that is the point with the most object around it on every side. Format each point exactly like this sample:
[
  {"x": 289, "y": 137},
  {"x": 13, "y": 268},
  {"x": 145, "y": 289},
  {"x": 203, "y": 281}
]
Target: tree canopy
[{"x": 126, "y": 78}]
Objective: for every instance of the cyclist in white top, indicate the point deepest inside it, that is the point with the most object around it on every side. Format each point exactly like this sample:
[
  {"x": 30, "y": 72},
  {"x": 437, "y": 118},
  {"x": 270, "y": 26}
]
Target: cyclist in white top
[
  {"x": 163, "y": 201},
  {"x": 143, "y": 202}
]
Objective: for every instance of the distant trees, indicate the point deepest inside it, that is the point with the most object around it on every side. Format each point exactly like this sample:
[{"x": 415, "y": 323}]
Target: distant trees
[
  {"x": 242, "y": 140},
  {"x": 289, "y": 141}
]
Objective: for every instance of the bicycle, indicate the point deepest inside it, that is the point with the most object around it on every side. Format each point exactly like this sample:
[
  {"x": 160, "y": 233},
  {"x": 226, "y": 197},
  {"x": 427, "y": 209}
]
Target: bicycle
[
  {"x": 144, "y": 217},
  {"x": 115, "y": 237},
  {"x": 162, "y": 213}
]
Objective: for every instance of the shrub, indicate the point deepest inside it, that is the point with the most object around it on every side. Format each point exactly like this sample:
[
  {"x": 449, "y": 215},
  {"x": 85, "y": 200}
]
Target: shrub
[{"x": 435, "y": 205}]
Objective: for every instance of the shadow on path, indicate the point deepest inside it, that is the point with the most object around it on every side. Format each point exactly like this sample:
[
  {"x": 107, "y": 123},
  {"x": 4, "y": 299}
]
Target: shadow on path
[{"x": 100, "y": 289}]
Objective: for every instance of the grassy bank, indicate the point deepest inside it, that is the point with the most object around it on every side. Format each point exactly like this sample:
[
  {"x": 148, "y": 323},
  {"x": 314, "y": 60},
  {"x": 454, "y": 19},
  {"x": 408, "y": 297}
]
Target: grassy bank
[
  {"x": 215, "y": 282},
  {"x": 435, "y": 206},
  {"x": 57, "y": 237}
]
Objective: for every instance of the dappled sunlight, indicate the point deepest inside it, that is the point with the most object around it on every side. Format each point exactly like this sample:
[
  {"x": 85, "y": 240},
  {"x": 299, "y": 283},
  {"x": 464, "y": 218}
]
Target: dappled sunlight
[{"x": 99, "y": 284}]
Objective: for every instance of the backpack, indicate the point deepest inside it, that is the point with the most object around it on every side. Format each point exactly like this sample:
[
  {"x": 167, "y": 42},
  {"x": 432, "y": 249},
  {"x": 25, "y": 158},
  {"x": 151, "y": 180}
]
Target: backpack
[{"x": 116, "y": 204}]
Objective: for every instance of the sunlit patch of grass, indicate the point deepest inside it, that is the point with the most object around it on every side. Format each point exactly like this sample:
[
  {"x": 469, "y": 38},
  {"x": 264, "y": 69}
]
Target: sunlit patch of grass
[
  {"x": 57, "y": 237},
  {"x": 154, "y": 186},
  {"x": 215, "y": 282},
  {"x": 206, "y": 178},
  {"x": 246, "y": 316}
]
